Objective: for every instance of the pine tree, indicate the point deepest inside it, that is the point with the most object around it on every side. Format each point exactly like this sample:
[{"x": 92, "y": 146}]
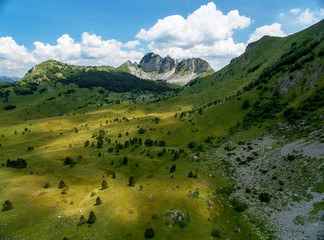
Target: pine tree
[
  {"x": 92, "y": 217},
  {"x": 7, "y": 205},
  {"x": 104, "y": 184},
  {"x": 82, "y": 220},
  {"x": 173, "y": 168},
  {"x": 125, "y": 161},
  {"x": 62, "y": 184},
  {"x": 98, "y": 201},
  {"x": 131, "y": 181}
]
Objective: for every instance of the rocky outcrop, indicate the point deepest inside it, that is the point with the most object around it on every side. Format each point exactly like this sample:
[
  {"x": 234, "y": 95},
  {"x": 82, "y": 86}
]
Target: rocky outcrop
[{"x": 154, "y": 67}]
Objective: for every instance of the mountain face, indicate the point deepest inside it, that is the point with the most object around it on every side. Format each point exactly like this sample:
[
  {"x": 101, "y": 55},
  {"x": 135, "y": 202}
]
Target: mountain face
[
  {"x": 154, "y": 67},
  {"x": 8, "y": 79},
  {"x": 90, "y": 76}
]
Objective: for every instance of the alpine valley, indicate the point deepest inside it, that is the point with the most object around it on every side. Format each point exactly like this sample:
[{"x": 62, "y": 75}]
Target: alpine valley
[{"x": 168, "y": 149}]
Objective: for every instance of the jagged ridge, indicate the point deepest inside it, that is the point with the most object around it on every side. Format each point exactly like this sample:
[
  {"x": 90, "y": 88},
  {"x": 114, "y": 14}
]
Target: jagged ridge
[{"x": 153, "y": 66}]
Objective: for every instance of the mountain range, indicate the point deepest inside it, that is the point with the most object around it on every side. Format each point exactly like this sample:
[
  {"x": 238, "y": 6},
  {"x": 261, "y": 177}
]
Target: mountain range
[
  {"x": 154, "y": 67},
  {"x": 8, "y": 79}
]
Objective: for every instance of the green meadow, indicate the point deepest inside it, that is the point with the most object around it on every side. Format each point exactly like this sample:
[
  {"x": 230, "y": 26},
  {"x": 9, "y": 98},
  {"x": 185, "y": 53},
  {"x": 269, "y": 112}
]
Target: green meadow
[{"x": 152, "y": 148}]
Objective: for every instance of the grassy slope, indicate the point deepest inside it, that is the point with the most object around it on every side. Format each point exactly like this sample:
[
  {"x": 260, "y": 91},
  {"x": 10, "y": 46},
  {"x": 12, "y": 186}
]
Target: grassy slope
[{"x": 127, "y": 211}]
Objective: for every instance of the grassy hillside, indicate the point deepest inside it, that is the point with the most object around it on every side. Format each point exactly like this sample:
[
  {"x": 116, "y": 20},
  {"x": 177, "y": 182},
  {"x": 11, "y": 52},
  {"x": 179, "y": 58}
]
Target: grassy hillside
[{"x": 224, "y": 158}]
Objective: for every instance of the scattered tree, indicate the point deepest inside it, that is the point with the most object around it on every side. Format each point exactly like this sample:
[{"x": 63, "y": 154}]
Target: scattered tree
[
  {"x": 62, "y": 184},
  {"x": 149, "y": 233},
  {"x": 98, "y": 201},
  {"x": 82, "y": 220},
  {"x": 92, "y": 217},
  {"x": 246, "y": 104},
  {"x": 173, "y": 168},
  {"x": 104, "y": 185},
  {"x": 131, "y": 181},
  {"x": 7, "y": 206},
  {"x": 125, "y": 161},
  {"x": 265, "y": 197}
]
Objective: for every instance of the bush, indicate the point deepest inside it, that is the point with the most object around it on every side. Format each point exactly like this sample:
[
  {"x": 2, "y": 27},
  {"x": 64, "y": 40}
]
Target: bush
[
  {"x": 192, "y": 144},
  {"x": 68, "y": 161},
  {"x": 92, "y": 217},
  {"x": 246, "y": 104},
  {"x": 9, "y": 107},
  {"x": 62, "y": 184},
  {"x": 125, "y": 161},
  {"x": 149, "y": 233},
  {"x": 104, "y": 184},
  {"x": 131, "y": 181},
  {"x": 82, "y": 220},
  {"x": 19, "y": 163},
  {"x": 141, "y": 131},
  {"x": 173, "y": 168},
  {"x": 265, "y": 197},
  {"x": 7, "y": 206},
  {"x": 98, "y": 201}
]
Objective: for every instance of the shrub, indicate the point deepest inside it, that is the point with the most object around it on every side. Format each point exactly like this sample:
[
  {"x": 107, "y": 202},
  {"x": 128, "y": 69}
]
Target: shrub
[
  {"x": 86, "y": 143},
  {"x": 141, "y": 131},
  {"x": 98, "y": 201},
  {"x": 68, "y": 161},
  {"x": 238, "y": 205},
  {"x": 246, "y": 104},
  {"x": 92, "y": 217},
  {"x": 173, "y": 168},
  {"x": 149, "y": 142},
  {"x": 131, "y": 181},
  {"x": 7, "y": 205},
  {"x": 265, "y": 197},
  {"x": 125, "y": 161},
  {"x": 62, "y": 184},
  {"x": 104, "y": 184},
  {"x": 9, "y": 107},
  {"x": 149, "y": 233},
  {"x": 192, "y": 144},
  {"x": 19, "y": 163},
  {"x": 82, "y": 220}
]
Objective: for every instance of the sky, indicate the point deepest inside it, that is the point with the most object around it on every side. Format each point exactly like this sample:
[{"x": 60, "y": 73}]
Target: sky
[{"x": 106, "y": 32}]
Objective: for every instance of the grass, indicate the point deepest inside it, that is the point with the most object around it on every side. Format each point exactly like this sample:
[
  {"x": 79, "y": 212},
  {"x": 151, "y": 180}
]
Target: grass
[{"x": 49, "y": 126}]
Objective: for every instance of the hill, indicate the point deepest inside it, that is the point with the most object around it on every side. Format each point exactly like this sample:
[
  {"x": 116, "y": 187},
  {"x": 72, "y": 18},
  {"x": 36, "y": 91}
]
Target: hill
[
  {"x": 154, "y": 67},
  {"x": 88, "y": 77},
  {"x": 234, "y": 155}
]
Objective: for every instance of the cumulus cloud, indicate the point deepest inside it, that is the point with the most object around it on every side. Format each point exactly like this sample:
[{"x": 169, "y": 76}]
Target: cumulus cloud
[
  {"x": 271, "y": 30},
  {"x": 15, "y": 59},
  {"x": 307, "y": 17},
  {"x": 206, "y": 32},
  {"x": 64, "y": 50}
]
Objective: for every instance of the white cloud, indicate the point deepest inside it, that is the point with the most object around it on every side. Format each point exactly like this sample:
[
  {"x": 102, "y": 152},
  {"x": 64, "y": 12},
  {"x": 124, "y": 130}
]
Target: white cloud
[
  {"x": 132, "y": 44},
  {"x": 206, "y": 32},
  {"x": 65, "y": 50},
  {"x": 271, "y": 30},
  {"x": 307, "y": 17},
  {"x": 15, "y": 59},
  {"x": 281, "y": 15},
  {"x": 295, "y": 11}
]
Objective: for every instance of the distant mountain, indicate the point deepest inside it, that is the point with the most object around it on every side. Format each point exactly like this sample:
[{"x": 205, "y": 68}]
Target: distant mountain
[
  {"x": 8, "y": 79},
  {"x": 91, "y": 76},
  {"x": 154, "y": 67}
]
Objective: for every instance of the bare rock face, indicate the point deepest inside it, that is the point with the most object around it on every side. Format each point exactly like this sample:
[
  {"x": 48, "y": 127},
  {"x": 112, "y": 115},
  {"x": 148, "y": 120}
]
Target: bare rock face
[
  {"x": 151, "y": 62},
  {"x": 154, "y": 67}
]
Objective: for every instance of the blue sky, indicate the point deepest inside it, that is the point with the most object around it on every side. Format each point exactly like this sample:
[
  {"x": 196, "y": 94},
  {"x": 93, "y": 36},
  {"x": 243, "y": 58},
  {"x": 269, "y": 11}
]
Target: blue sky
[{"x": 102, "y": 32}]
